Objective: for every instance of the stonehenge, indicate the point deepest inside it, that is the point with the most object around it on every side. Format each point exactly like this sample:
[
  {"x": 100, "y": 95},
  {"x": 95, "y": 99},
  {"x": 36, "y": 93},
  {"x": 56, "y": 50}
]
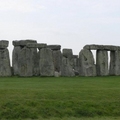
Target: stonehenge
[{"x": 30, "y": 58}]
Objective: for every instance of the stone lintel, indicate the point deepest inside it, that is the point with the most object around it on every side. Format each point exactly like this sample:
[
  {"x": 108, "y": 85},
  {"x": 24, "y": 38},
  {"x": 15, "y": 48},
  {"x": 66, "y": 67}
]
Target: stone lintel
[
  {"x": 54, "y": 47},
  {"x": 102, "y": 47},
  {"x": 23, "y": 42},
  {"x": 67, "y": 53},
  {"x": 37, "y": 45}
]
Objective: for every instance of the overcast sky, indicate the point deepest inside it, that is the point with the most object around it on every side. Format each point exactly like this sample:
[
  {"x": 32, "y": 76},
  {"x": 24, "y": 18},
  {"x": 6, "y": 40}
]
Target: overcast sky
[{"x": 70, "y": 23}]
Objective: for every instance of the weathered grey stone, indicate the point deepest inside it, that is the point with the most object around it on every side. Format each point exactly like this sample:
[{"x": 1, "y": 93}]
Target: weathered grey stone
[
  {"x": 114, "y": 68},
  {"x": 46, "y": 62},
  {"x": 15, "y": 54},
  {"x": 37, "y": 45},
  {"x": 41, "y": 45},
  {"x": 5, "y": 69},
  {"x": 102, "y": 47},
  {"x": 23, "y": 42},
  {"x": 86, "y": 63},
  {"x": 66, "y": 69},
  {"x": 57, "y": 59},
  {"x": 102, "y": 63},
  {"x": 25, "y": 63},
  {"x": 35, "y": 61},
  {"x": 76, "y": 72},
  {"x": 54, "y": 47},
  {"x": 27, "y": 59},
  {"x": 4, "y": 43},
  {"x": 57, "y": 74},
  {"x": 75, "y": 56},
  {"x": 67, "y": 53}
]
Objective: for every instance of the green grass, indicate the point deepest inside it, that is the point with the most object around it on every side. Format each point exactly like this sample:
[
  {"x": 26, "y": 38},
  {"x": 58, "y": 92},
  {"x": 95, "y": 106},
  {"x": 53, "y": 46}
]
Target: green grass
[{"x": 75, "y": 98}]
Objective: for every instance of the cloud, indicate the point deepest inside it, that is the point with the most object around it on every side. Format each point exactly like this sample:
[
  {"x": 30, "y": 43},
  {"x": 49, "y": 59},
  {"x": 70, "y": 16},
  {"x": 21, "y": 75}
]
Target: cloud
[{"x": 20, "y": 5}]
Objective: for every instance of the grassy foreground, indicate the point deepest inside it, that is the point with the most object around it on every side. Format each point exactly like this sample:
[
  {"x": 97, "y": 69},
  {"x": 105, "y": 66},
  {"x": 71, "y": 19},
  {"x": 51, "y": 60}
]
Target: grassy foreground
[{"x": 75, "y": 98}]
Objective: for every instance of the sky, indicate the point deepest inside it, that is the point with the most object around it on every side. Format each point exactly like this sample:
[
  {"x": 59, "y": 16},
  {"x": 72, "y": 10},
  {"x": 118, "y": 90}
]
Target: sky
[{"x": 69, "y": 23}]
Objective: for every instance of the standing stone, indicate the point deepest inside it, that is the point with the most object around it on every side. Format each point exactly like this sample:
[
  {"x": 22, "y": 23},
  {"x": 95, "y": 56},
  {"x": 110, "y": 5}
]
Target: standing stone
[
  {"x": 46, "y": 62},
  {"x": 25, "y": 63},
  {"x": 57, "y": 59},
  {"x": 15, "y": 55},
  {"x": 25, "y": 58},
  {"x": 5, "y": 69},
  {"x": 102, "y": 62},
  {"x": 76, "y": 64},
  {"x": 86, "y": 63},
  {"x": 66, "y": 69},
  {"x": 67, "y": 63},
  {"x": 114, "y": 63},
  {"x": 67, "y": 53}
]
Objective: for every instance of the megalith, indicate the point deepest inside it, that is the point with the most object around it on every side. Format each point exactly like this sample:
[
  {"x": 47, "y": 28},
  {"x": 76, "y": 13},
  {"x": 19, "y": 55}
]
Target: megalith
[
  {"x": 46, "y": 64},
  {"x": 67, "y": 63},
  {"x": 76, "y": 64},
  {"x": 57, "y": 59},
  {"x": 15, "y": 54},
  {"x": 25, "y": 62},
  {"x": 114, "y": 68},
  {"x": 87, "y": 65},
  {"x": 102, "y": 62},
  {"x": 24, "y": 58},
  {"x": 5, "y": 68},
  {"x": 36, "y": 47}
]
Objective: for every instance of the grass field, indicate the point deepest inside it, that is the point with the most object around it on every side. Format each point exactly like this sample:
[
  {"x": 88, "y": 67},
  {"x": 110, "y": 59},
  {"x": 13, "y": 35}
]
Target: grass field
[{"x": 63, "y": 98}]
